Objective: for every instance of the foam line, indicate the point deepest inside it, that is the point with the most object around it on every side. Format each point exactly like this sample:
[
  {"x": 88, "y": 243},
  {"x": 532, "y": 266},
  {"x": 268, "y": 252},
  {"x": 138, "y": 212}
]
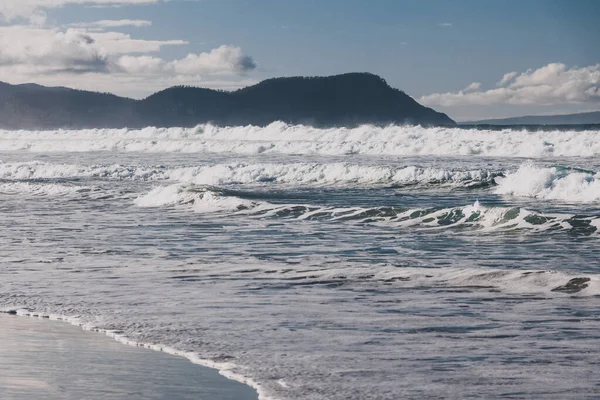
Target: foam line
[{"x": 299, "y": 139}]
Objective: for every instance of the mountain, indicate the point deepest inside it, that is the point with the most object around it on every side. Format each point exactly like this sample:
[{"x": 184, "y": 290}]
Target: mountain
[
  {"x": 348, "y": 100},
  {"x": 588, "y": 118},
  {"x": 46, "y": 108}
]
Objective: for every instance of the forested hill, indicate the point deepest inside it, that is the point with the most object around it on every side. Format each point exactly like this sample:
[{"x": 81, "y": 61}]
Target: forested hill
[{"x": 348, "y": 99}]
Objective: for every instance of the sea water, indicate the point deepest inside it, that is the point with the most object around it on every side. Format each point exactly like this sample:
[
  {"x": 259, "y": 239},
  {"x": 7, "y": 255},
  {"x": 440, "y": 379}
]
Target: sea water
[{"x": 365, "y": 263}]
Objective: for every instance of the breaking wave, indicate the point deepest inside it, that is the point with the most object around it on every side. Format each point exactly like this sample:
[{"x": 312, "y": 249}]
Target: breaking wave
[
  {"x": 328, "y": 174},
  {"x": 43, "y": 170},
  {"x": 42, "y": 189},
  {"x": 201, "y": 200},
  {"x": 546, "y": 183},
  {"x": 555, "y": 183},
  {"x": 299, "y": 139},
  {"x": 244, "y": 173},
  {"x": 471, "y": 217},
  {"x": 514, "y": 281}
]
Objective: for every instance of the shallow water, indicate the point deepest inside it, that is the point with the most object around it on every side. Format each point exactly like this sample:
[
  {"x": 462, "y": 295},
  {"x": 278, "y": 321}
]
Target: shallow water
[
  {"x": 322, "y": 264},
  {"x": 53, "y": 361}
]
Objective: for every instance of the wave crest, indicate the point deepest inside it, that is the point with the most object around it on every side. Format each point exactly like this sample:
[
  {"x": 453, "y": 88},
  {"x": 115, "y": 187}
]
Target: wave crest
[
  {"x": 255, "y": 173},
  {"x": 475, "y": 217},
  {"x": 299, "y": 139},
  {"x": 42, "y": 189},
  {"x": 555, "y": 183},
  {"x": 201, "y": 200}
]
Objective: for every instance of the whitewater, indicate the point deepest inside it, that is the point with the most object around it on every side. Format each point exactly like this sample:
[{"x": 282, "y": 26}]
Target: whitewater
[{"x": 365, "y": 263}]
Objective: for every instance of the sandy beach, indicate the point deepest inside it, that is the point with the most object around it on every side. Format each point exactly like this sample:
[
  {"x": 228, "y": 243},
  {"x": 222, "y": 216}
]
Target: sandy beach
[{"x": 43, "y": 359}]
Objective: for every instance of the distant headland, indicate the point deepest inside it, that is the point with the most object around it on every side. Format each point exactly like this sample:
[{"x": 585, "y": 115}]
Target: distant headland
[
  {"x": 588, "y": 118},
  {"x": 341, "y": 100}
]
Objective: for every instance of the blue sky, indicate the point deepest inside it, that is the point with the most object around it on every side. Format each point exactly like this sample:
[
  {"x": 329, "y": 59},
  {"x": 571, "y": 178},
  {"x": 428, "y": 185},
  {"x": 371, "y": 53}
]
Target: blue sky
[{"x": 431, "y": 49}]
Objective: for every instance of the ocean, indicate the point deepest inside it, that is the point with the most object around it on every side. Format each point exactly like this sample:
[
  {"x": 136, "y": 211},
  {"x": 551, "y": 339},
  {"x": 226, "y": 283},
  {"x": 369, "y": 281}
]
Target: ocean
[{"x": 366, "y": 263}]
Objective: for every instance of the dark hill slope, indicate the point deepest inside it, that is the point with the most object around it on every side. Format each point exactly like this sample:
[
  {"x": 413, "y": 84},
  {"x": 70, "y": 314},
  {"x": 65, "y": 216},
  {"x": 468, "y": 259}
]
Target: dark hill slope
[
  {"x": 348, "y": 99},
  {"x": 51, "y": 109},
  {"x": 185, "y": 106}
]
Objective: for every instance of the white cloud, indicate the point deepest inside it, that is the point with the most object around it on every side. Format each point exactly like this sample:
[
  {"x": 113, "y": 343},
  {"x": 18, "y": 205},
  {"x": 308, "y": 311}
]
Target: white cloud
[
  {"x": 445, "y": 24},
  {"x": 141, "y": 64},
  {"x": 472, "y": 87},
  {"x": 34, "y": 9},
  {"x": 90, "y": 56},
  {"x": 224, "y": 60},
  {"x": 507, "y": 78},
  {"x": 121, "y": 43},
  {"x": 136, "y": 23},
  {"x": 11, "y": 9},
  {"x": 553, "y": 84},
  {"x": 50, "y": 50},
  {"x": 228, "y": 59}
]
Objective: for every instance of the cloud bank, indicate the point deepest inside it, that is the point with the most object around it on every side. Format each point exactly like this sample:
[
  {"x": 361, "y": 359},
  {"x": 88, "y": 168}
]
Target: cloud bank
[
  {"x": 102, "y": 60},
  {"x": 222, "y": 60},
  {"x": 50, "y": 50},
  {"x": 136, "y": 23},
  {"x": 94, "y": 56},
  {"x": 551, "y": 85}
]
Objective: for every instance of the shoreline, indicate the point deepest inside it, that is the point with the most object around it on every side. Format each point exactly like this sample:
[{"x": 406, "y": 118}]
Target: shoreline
[{"x": 244, "y": 388}]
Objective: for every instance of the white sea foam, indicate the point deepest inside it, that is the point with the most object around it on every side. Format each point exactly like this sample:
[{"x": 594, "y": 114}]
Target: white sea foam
[
  {"x": 300, "y": 139},
  {"x": 324, "y": 174},
  {"x": 40, "y": 189},
  {"x": 470, "y": 217},
  {"x": 253, "y": 173},
  {"x": 551, "y": 184},
  {"x": 200, "y": 200},
  {"x": 44, "y": 170},
  {"x": 509, "y": 281}
]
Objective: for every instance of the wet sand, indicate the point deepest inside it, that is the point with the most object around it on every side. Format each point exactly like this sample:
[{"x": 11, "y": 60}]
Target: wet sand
[{"x": 42, "y": 359}]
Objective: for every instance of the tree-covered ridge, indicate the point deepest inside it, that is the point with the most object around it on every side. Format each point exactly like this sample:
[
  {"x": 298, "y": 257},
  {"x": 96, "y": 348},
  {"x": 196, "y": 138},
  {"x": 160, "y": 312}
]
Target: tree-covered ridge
[{"x": 348, "y": 99}]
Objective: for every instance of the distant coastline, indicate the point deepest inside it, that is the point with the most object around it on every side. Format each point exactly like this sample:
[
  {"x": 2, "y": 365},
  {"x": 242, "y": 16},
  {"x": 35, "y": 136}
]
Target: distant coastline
[
  {"x": 533, "y": 127},
  {"x": 587, "y": 118},
  {"x": 342, "y": 100}
]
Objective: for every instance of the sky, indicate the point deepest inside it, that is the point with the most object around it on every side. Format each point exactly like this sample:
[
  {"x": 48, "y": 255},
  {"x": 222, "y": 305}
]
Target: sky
[{"x": 473, "y": 59}]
